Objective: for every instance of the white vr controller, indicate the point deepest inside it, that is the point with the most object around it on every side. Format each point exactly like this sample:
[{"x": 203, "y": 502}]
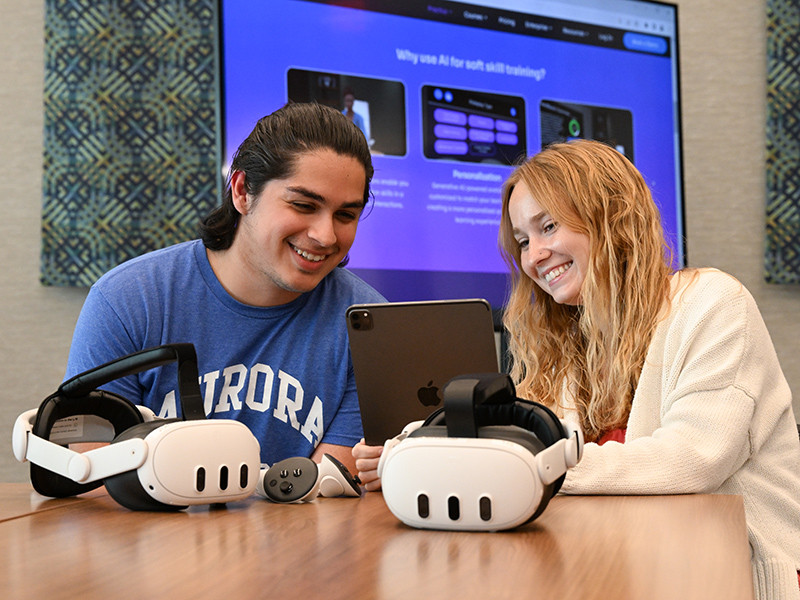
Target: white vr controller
[{"x": 300, "y": 479}]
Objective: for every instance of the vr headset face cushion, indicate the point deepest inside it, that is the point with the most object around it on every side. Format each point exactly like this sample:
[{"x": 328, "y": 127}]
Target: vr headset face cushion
[
  {"x": 530, "y": 424},
  {"x": 126, "y": 488},
  {"x": 531, "y": 416},
  {"x": 115, "y": 409}
]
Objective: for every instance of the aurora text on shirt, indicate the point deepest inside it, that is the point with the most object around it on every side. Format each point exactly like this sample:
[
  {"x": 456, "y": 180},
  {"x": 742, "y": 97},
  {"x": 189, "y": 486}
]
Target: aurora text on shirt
[{"x": 255, "y": 389}]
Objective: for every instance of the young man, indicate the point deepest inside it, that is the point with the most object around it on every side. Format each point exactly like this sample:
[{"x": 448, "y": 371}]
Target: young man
[{"x": 260, "y": 297}]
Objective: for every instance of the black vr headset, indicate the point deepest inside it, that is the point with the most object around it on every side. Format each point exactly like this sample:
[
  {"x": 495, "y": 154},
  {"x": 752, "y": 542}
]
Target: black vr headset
[
  {"x": 486, "y": 461},
  {"x": 150, "y": 463}
]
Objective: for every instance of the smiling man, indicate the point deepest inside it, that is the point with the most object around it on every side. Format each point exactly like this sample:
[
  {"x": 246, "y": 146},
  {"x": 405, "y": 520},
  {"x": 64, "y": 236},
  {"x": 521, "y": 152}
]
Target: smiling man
[{"x": 260, "y": 296}]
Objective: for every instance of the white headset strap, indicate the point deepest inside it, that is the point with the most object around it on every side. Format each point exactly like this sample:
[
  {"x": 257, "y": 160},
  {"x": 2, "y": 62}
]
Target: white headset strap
[
  {"x": 147, "y": 414},
  {"x": 19, "y": 436},
  {"x": 574, "y": 450},
  {"x": 387, "y": 447},
  {"x": 553, "y": 461},
  {"x": 87, "y": 466},
  {"x": 81, "y": 467}
]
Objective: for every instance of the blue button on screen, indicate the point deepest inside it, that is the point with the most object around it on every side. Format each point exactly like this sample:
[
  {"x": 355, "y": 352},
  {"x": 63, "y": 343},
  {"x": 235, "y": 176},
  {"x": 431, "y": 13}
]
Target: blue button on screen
[{"x": 644, "y": 43}]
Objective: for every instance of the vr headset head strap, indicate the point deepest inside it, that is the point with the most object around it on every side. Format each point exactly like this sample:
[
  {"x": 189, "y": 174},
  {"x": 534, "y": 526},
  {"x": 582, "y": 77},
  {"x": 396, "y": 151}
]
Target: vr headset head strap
[
  {"x": 464, "y": 394},
  {"x": 188, "y": 384}
]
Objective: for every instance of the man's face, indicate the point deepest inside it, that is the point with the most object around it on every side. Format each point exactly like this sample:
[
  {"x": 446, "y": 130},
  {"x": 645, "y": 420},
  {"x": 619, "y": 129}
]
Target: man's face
[{"x": 298, "y": 229}]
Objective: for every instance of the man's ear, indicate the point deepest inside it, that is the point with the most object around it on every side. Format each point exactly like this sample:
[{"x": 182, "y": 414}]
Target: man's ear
[{"x": 239, "y": 193}]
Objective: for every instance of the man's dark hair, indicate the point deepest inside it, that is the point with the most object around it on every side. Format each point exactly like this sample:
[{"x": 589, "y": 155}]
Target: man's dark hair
[{"x": 271, "y": 151}]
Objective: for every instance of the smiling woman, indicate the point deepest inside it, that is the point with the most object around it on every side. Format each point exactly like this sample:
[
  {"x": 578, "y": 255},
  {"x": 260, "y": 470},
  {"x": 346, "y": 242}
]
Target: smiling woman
[
  {"x": 672, "y": 374},
  {"x": 556, "y": 258},
  {"x": 583, "y": 237}
]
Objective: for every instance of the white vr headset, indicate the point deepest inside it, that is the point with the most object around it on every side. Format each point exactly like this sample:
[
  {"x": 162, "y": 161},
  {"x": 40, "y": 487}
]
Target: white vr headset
[
  {"x": 149, "y": 464},
  {"x": 487, "y": 461}
]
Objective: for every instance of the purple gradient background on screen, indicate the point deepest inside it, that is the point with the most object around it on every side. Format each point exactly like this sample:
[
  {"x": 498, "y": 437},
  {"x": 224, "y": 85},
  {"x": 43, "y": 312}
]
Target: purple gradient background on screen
[{"x": 263, "y": 40}]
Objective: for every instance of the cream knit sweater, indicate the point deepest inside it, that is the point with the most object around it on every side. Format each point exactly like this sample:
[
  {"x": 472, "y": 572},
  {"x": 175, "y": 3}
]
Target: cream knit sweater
[{"x": 712, "y": 414}]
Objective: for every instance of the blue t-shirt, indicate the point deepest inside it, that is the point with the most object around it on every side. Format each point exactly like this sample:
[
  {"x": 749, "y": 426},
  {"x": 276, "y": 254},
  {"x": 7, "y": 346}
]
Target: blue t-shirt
[{"x": 284, "y": 371}]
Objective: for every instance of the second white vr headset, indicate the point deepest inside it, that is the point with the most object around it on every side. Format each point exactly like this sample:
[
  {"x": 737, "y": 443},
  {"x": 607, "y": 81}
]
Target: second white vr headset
[
  {"x": 487, "y": 461},
  {"x": 150, "y": 464}
]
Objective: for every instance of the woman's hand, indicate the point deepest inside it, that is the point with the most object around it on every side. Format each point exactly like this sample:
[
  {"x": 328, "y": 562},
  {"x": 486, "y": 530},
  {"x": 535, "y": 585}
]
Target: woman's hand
[{"x": 367, "y": 458}]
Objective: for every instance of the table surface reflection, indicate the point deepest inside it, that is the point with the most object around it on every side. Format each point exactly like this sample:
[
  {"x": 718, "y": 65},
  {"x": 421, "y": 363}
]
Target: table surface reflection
[{"x": 651, "y": 547}]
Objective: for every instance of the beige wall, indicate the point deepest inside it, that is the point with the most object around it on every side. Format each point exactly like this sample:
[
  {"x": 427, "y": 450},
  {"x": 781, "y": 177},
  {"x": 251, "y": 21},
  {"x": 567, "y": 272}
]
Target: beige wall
[{"x": 723, "y": 73}]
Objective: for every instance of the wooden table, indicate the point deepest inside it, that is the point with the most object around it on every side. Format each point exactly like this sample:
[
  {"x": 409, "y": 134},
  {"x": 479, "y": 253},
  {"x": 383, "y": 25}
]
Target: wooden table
[{"x": 681, "y": 547}]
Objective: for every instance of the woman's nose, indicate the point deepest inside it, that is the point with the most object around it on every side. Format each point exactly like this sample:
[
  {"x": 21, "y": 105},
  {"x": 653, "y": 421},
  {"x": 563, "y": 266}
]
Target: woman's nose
[{"x": 537, "y": 253}]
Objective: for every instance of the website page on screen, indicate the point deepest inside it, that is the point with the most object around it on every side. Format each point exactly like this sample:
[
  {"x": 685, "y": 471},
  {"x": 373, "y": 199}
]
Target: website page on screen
[{"x": 449, "y": 95}]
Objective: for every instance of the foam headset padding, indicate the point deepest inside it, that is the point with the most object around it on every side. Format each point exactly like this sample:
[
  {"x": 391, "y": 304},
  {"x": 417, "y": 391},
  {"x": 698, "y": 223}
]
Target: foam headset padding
[
  {"x": 534, "y": 418},
  {"x": 125, "y": 487},
  {"x": 119, "y": 411},
  {"x": 531, "y": 416},
  {"x": 127, "y": 490},
  {"x": 510, "y": 433}
]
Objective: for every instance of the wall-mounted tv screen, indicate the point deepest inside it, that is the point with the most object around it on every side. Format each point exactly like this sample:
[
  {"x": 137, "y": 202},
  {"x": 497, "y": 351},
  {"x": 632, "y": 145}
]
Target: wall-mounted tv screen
[{"x": 450, "y": 95}]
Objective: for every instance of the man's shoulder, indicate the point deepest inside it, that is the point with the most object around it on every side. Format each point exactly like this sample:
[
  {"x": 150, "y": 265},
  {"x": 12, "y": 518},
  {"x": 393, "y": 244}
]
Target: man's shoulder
[
  {"x": 344, "y": 282},
  {"x": 157, "y": 263}
]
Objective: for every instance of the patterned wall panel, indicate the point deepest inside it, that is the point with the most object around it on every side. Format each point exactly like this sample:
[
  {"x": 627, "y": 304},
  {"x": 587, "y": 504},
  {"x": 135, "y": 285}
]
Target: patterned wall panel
[
  {"x": 130, "y": 143},
  {"x": 783, "y": 142}
]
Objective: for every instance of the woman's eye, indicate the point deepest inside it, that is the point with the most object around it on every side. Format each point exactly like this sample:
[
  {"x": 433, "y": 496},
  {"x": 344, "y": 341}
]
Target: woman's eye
[
  {"x": 522, "y": 244},
  {"x": 549, "y": 227}
]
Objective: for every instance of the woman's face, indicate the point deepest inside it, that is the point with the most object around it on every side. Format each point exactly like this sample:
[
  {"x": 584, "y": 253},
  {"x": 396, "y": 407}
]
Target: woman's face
[{"x": 554, "y": 257}]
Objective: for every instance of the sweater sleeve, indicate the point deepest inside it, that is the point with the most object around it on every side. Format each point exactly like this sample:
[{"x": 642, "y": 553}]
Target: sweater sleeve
[{"x": 689, "y": 429}]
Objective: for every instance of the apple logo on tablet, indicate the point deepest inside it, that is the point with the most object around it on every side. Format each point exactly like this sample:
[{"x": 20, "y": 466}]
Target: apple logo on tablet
[{"x": 429, "y": 395}]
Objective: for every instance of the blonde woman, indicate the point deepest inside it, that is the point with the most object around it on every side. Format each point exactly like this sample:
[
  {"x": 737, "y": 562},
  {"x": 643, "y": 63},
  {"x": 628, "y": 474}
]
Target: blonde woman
[{"x": 673, "y": 376}]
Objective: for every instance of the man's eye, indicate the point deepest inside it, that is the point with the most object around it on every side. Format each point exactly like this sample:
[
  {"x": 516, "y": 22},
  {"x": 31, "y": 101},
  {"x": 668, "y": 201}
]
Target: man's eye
[
  {"x": 347, "y": 217},
  {"x": 304, "y": 206}
]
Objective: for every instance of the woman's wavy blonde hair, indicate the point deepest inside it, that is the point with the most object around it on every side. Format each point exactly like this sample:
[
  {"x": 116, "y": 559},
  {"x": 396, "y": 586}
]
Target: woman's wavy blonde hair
[{"x": 595, "y": 351}]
